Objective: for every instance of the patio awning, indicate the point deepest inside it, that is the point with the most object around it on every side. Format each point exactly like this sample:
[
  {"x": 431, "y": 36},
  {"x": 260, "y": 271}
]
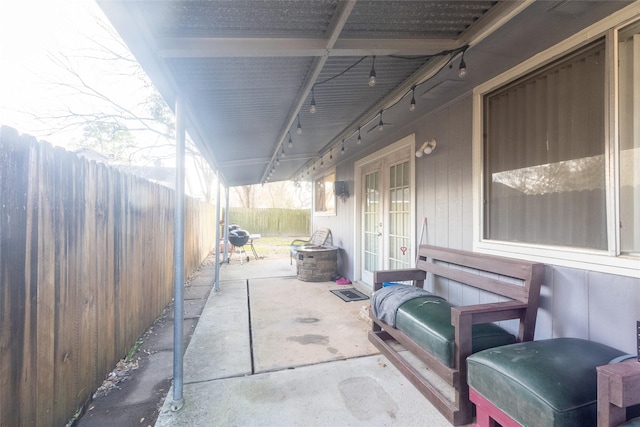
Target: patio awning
[{"x": 248, "y": 70}]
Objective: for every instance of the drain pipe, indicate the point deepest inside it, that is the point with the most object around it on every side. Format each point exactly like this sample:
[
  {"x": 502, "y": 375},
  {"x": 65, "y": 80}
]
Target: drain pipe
[{"x": 178, "y": 261}]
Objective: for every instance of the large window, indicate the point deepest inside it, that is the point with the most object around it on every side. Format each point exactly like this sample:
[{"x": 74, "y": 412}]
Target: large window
[
  {"x": 544, "y": 155},
  {"x": 557, "y": 154}
]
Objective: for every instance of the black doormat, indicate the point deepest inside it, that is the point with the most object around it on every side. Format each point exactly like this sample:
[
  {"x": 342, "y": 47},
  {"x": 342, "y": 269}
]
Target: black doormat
[{"x": 349, "y": 294}]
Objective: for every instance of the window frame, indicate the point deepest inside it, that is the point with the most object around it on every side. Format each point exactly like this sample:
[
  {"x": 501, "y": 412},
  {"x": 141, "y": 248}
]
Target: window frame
[{"x": 610, "y": 260}]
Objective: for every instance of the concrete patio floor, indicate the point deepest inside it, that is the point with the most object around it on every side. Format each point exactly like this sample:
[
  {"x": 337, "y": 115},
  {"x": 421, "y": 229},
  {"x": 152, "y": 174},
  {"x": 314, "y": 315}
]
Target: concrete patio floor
[{"x": 270, "y": 350}]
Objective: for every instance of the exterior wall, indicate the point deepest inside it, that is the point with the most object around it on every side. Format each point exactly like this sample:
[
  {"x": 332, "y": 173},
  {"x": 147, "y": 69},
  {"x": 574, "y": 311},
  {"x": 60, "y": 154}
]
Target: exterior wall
[
  {"x": 341, "y": 224},
  {"x": 575, "y": 303}
]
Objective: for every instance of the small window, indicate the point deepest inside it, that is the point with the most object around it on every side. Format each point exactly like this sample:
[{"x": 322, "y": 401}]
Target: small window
[{"x": 324, "y": 195}]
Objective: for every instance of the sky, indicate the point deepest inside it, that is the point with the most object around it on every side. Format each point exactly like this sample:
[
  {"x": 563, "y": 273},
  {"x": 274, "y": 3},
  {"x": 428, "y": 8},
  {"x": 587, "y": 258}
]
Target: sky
[
  {"x": 32, "y": 90},
  {"x": 32, "y": 32}
]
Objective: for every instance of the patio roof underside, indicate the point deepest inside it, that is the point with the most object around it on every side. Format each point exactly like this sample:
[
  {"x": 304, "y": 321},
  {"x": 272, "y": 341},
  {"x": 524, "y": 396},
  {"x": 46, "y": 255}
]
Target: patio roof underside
[{"x": 245, "y": 70}]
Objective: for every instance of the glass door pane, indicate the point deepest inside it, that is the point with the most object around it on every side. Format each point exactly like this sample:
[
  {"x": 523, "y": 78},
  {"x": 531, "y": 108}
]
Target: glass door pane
[
  {"x": 371, "y": 222},
  {"x": 399, "y": 216}
]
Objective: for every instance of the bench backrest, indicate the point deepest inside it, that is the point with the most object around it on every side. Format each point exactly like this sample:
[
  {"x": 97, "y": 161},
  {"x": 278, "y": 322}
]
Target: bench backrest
[
  {"x": 321, "y": 236},
  {"x": 512, "y": 278}
]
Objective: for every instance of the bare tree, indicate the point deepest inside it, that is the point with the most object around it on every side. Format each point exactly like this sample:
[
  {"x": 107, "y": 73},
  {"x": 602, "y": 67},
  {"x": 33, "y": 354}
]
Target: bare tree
[{"x": 128, "y": 128}]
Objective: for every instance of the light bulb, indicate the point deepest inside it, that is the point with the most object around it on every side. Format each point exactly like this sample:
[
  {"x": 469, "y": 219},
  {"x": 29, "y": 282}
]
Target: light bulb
[
  {"x": 299, "y": 130},
  {"x": 372, "y": 74},
  {"x": 428, "y": 149},
  {"x": 463, "y": 69},
  {"x": 412, "y": 106},
  {"x": 419, "y": 153},
  {"x": 312, "y": 109},
  {"x": 290, "y": 143}
]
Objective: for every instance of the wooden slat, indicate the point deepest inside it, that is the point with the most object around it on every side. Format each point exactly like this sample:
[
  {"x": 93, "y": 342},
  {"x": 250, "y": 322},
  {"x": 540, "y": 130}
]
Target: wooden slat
[
  {"x": 499, "y": 265},
  {"x": 28, "y": 368},
  {"x": 488, "y": 284},
  {"x": 428, "y": 390},
  {"x": 449, "y": 375},
  {"x": 46, "y": 266}
]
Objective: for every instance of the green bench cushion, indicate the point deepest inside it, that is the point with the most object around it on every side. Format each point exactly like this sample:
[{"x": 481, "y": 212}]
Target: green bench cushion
[
  {"x": 427, "y": 320},
  {"x": 542, "y": 383}
]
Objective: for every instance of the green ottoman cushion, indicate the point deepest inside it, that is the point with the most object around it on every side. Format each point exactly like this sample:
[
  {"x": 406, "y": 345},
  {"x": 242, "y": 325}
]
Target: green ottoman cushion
[
  {"x": 542, "y": 383},
  {"x": 427, "y": 320}
]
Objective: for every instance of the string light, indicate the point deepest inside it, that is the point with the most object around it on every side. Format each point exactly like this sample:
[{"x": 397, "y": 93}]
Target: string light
[
  {"x": 372, "y": 74},
  {"x": 321, "y": 160},
  {"x": 372, "y": 82},
  {"x": 278, "y": 161},
  {"x": 312, "y": 108},
  {"x": 412, "y": 105},
  {"x": 283, "y": 154},
  {"x": 462, "y": 71}
]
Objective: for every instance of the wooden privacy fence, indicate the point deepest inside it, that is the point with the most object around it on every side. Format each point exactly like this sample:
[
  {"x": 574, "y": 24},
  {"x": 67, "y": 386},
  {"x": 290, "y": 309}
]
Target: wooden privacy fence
[
  {"x": 86, "y": 266},
  {"x": 272, "y": 221}
]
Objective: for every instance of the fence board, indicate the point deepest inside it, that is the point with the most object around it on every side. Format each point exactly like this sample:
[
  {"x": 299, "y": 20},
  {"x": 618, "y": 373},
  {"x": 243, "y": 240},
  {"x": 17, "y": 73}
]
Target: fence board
[
  {"x": 86, "y": 265},
  {"x": 272, "y": 221},
  {"x": 44, "y": 197},
  {"x": 15, "y": 158}
]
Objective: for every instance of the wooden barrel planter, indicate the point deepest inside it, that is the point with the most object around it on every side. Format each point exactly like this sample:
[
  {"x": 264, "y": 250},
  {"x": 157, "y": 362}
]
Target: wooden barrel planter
[{"x": 317, "y": 263}]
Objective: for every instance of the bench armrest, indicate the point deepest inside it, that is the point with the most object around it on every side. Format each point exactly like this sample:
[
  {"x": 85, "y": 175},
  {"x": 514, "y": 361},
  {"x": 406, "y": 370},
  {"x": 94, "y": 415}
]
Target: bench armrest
[
  {"x": 464, "y": 317},
  {"x": 416, "y": 274},
  {"x": 491, "y": 312}
]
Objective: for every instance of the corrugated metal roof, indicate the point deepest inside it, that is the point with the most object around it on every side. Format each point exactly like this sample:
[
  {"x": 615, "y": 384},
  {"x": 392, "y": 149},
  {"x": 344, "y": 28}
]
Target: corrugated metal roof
[{"x": 247, "y": 69}]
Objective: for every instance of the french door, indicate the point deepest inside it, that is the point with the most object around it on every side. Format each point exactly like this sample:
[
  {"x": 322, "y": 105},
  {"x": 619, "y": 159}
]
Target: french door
[{"x": 386, "y": 212}]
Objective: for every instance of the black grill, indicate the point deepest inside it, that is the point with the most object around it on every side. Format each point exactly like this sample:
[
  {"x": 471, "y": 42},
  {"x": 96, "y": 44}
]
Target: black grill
[{"x": 238, "y": 238}]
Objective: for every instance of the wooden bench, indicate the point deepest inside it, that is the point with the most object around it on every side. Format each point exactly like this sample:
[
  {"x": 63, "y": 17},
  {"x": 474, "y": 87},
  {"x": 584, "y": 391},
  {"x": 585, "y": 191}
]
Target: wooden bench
[
  {"x": 516, "y": 282},
  {"x": 322, "y": 236}
]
